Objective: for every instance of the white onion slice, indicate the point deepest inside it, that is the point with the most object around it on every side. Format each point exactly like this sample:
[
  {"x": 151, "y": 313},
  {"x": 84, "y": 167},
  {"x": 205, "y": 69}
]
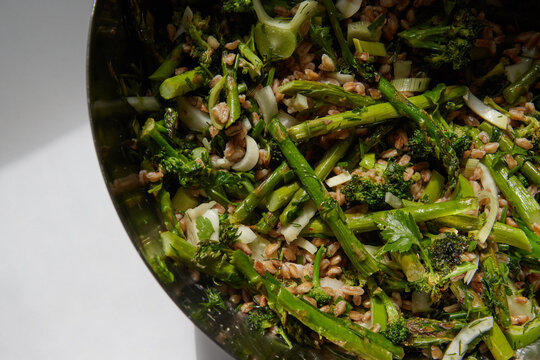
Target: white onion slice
[
  {"x": 470, "y": 274},
  {"x": 251, "y": 158},
  {"x": 338, "y": 179},
  {"x": 411, "y": 84},
  {"x": 247, "y": 123},
  {"x": 304, "y": 244},
  {"x": 193, "y": 118},
  {"x": 459, "y": 346},
  {"x": 184, "y": 23},
  {"x": 292, "y": 230},
  {"x": 258, "y": 247},
  {"x": 393, "y": 200},
  {"x": 402, "y": 69},
  {"x": 348, "y": 7},
  {"x": 514, "y": 72},
  {"x": 488, "y": 183},
  {"x": 221, "y": 163},
  {"x": 341, "y": 78},
  {"x": 246, "y": 235},
  {"x": 267, "y": 103},
  {"x": 487, "y": 113},
  {"x": 470, "y": 166},
  {"x": 484, "y": 232},
  {"x": 332, "y": 283},
  {"x": 206, "y": 144},
  {"x": 191, "y": 220},
  {"x": 144, "y": 103},
  {"x": 286, "y": 119}
]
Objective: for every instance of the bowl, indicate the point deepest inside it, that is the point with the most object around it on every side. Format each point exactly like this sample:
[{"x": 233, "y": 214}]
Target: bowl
[
  {"x": 115, "y": 48},
  {"x": 112, "y": 49}
]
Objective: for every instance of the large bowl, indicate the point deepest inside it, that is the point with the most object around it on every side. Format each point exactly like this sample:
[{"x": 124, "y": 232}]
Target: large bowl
[{"x": 113, "y": 45}]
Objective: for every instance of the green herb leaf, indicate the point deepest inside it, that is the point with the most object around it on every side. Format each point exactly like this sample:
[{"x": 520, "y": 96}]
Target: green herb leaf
[
  {"x": 205, "y": 228},
  {"x": 400, "y": 232}
]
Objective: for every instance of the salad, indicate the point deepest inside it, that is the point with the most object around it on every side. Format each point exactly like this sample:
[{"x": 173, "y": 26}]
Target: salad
[{"x": 355, "y": 175}]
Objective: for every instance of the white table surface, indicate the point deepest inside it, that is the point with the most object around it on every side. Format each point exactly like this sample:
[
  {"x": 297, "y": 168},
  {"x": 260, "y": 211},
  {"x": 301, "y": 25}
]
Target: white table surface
[{"x": 72, "y": 285}]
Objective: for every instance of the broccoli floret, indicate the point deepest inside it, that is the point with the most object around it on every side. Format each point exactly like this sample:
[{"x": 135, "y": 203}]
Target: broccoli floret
[
  {"x": 276, "y": 156},
  {"x": 228, "y": 233},
  {"x": 421, "y": 148},
  {"x": 447, "y": 44},
  {"x": 263, "y": 318},
  {"x": 237, "y": 6},
  {"x": 446, "y": 251},
  {"x": 365, "y": 190},
  {"x": 460, "y": 143},
  {"x": 368, "y": 191},
  {"x": 189, "y": 171},
  {"x": 396, "y": 331},
  {"x": 235, "y": 184},
  {"x": 394, "y": 182},
  {"x": 320, "y": 296}
]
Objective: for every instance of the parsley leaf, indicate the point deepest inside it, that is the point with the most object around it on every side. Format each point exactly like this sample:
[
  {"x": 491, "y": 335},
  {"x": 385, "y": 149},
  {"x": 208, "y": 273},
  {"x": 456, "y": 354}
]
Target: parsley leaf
[
  {"x": 400, "y": 232},
  {"x": 205, "y": 228}
]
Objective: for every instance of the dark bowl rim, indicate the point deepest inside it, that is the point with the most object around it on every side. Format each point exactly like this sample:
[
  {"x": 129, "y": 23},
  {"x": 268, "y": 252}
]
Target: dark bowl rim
[{"x": 90, "y": 37}]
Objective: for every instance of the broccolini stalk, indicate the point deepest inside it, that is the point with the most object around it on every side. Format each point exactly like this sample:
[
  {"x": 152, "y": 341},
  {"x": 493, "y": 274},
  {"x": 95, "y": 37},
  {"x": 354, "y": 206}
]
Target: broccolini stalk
[
  {"x": 495, "y": 340},
  {"x": 375, "y": 136},
  {"x": 316, "y": 292},
  {"x": 256, "y": 63},
  {"x": 329, "y": 209},
  {"x": 410, "y": 265},
  {"x": 213, "y": 99},
  {"x": 182, "y": 84},
  {"x": 495, "y": 288},
  {"x": 295, "y": 207},
  {"x": 169, "y": 218},
  {"x": 185, "y": 253},
  {"x": 526, "y": 167},
  {"x": 283, "y": 195},
  {"x": 501, "y": 233},
  {"x": 233, "y": 102},
  {"x": 246, "y": 208},
  {"x": 329, "y": 93},
  {"x": 441, "y": 143},
  {"x": 168, "y": 65},
  {"x": 370, "y": 115},
  {"x": 522, "y": 85},
  {"x": 513, "y": 190},
  {"x": 267, "y": 222},
  {"x": 359, "y": 223},
  {"x": 521, "y": 336},
  {"x": 362, "y": 342},
  {"x": 434, "y": 189}
]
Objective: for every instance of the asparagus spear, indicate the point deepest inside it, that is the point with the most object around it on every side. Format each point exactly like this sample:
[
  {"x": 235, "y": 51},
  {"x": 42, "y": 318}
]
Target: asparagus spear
[
  {"x": 496, "y": 288},
  {"x": 369, "y": 115},
  {"x": 329, "y": 93},
  {"x": 169, "y": 218},
  {"x": 181, "y": 84},
  {"x": 267, "y": 222},
  {"x": 283, "y": 195},
  {"x": 513, "y": 91},
  {"x": 359, "y": 223},
  {"x": 522, "y": 201},
  {"x": 183, "y": 252},
  {"x": 506, "y": 144},
  {"x": 245, "y": 209},
  {"x": 295, "y": 206},
  {"x": 329, "y": 209},
  {"x": 362, "y": 342},
  {"x": 168, "y": 66}
]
